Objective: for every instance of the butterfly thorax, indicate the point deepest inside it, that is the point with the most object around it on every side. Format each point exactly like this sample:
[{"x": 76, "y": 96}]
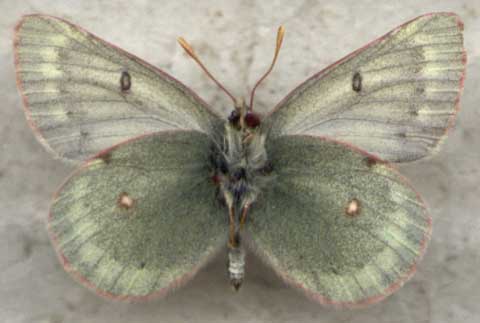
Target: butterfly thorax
[
  {"x": 240, "y": 170},
  {"x": 241, "y": 165}
]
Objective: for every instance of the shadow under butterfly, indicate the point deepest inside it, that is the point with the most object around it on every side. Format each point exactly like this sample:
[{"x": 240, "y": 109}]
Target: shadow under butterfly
[{"x": 166, "y": 182}]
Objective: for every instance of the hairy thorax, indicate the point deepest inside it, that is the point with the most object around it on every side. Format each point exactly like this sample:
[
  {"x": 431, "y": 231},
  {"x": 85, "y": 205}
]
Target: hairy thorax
[{"x": 240, "y": 164}]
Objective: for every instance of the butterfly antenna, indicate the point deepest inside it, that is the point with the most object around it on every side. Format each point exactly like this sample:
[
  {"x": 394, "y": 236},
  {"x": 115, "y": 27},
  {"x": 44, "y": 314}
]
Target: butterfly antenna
[
  {"x": 280, "y": 33},
  {"x": 186, "y": 46}
]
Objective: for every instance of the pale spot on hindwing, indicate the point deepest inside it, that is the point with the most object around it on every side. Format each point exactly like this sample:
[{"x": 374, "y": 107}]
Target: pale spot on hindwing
[
  {"x": 353, "y": 208},
  {"x": 125, "y": 201}
]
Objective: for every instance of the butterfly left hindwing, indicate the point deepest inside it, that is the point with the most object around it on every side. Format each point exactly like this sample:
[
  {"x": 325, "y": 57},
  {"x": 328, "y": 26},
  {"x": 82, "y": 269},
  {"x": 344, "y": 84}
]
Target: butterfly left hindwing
[{"x": 140, "y": 218}]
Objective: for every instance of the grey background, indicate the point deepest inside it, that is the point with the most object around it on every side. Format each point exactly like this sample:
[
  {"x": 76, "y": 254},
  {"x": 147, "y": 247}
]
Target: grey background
[{"x": 235, "y": 39}]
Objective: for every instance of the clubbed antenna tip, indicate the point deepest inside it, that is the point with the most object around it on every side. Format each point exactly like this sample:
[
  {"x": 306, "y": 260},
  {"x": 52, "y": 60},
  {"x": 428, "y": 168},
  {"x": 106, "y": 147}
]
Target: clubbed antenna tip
[{"x": 189, "y": 50}]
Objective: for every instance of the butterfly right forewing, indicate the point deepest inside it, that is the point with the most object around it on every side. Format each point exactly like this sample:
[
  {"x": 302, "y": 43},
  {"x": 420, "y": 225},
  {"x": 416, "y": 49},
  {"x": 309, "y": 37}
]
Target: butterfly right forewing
[{"x": 83, "y": 95}]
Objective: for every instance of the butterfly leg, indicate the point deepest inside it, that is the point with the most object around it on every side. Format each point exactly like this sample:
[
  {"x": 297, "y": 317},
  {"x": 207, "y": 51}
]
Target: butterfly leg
[
  {"x": 232, "y": 241},
  {"x": 243, "y": 218}
]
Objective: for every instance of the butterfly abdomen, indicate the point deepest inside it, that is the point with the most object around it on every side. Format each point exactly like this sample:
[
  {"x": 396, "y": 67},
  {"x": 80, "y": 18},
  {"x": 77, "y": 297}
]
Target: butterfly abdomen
[{"x": 236, "y": 266}]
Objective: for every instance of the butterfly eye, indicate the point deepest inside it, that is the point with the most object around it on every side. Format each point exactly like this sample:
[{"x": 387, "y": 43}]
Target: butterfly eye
[
  {"x": 234, "y": 117},
  {"x": 125, "y": 81},
  {"x": 252, "y": 120}
]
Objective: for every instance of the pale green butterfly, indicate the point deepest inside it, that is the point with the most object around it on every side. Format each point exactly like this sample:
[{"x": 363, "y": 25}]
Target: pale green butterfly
[{"x": 142, "y": 216}]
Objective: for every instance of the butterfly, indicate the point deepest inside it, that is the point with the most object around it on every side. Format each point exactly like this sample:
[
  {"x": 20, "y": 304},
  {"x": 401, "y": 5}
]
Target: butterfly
[{"x": 166, "y": 182}]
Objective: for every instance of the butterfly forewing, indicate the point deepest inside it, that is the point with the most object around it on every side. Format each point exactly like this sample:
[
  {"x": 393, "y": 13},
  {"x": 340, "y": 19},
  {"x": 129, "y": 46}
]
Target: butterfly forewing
[
  {"x": 83, "y": 95},
  {"x": 337, "y": 222},
  {"x": 140, "y": 218},
  {"x": 394, "y": 98}
]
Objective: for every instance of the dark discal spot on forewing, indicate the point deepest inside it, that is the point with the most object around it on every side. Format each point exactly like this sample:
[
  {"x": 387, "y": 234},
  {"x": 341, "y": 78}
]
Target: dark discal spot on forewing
[
  {"x": 353, "y": 208},
  {"x": 125, "y": 201},
  {"x": 357, "y": 82},
  {"x": 125, "y": 82}
]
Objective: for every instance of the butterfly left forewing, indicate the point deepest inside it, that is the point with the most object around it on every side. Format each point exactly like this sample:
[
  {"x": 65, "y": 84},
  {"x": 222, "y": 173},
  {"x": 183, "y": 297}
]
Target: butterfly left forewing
[
  {"x": 395, "y": 97},
  {"x": 337, "y": 222}
]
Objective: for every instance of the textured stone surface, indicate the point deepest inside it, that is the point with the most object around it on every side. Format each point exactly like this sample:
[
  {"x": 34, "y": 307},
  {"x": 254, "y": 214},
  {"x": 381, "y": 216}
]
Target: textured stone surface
[{"x": 235, "y": 39}]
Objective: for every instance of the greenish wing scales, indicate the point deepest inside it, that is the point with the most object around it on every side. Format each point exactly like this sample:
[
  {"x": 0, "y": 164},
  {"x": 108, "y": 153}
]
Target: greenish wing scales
[
  {"x": 84, "y": 95},
  {"x": 307, "y": 228},
  {"x": 140, "y": 218},
  {"x": 394, "y": 98}
]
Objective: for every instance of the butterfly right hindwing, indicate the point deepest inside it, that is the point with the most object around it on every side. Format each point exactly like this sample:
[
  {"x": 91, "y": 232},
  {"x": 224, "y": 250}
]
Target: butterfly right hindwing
[{"x": 337, "y": 222}]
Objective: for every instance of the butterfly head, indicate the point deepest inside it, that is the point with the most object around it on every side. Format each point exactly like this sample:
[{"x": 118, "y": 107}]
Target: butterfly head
[{"x": 243, "y": 118}]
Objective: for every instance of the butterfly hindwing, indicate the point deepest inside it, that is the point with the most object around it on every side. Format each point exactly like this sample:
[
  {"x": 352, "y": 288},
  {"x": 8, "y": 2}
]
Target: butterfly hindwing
[
  {"x": 140, "y": 218},
  {"x": 394, "y": 98},
  {"x": 337, "y": 222},
  {"x": 83, "y": 95}
]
